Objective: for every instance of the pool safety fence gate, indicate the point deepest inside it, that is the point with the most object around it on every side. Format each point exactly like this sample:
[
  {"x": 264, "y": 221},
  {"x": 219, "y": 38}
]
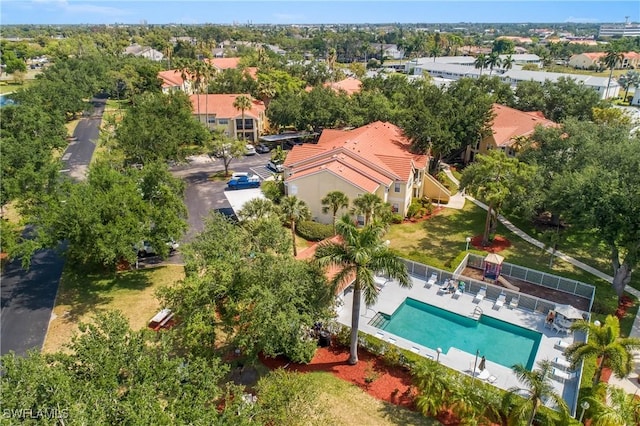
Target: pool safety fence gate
[
  {"x": 539, "y": 278},
  {"x": 472, "y": 286}
]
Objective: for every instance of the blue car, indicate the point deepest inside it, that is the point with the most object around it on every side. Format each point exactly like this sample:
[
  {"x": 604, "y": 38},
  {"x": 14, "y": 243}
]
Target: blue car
[{"x": 244, "y": 182}]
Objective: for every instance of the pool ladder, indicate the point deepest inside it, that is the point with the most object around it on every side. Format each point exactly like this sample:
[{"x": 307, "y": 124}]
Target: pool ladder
[
  {"x": 379, "y": 320},
  {"x": 477, "y": 313}
]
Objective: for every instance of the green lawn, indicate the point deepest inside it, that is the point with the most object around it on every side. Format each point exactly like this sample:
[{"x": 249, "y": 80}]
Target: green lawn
[
  {"x": 82, "y": 294},
  {"x": 349, "y": 405},
  {"x": 440, "y": 242},
  {"x": 7, "y": 87}
]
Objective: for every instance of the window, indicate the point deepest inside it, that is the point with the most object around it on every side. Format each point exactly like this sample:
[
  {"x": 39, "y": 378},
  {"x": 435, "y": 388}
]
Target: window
[
  {"x": 223, "y": 121},
  {"x": 211, "y": 120},
  {"x": 396, "y": 187},
  {"x": 395, "y": 208}
]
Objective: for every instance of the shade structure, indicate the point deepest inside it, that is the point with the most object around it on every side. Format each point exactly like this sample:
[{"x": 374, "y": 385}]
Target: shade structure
[{"x": 569, "y": 312}]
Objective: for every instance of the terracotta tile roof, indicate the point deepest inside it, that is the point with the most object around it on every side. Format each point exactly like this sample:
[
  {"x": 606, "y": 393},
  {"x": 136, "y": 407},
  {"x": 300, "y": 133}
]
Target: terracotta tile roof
[
  {"x": 222, "y": 106},
  {"x": 594, "y": 55},
  {"x": 171, "y": 78},
  {"x": 223, "y": 63},
  {"x": 377, "y": 152},
  {"x": 252, "y": 72},
  {"x": 331, "y": 271},
  {"x": 509, "y": 123},
  {"x": 350, "y": 85},
  {"x": 347, "y": 173}
]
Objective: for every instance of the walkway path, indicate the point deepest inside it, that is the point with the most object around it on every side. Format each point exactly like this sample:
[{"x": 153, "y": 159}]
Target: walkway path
[{"x": 635, "y": 329}]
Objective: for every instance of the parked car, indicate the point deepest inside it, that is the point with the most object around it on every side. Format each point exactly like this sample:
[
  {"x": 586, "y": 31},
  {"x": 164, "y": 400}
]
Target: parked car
[
  {"x": 250, "y": 149},
  {"x": 244, "y": 182},
  {"x": 236, "y": 175},
  {"x": 146, "y": 249},
  {"x": 262, "y": 148},
  {"x": 275, "y": 166}
]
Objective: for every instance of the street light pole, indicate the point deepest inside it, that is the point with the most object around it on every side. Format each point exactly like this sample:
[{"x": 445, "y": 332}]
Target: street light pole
[
  {"x": 468, "y": 239},
  {"x": 585, "y": 407},
  {"x": 475, "y": 363}
]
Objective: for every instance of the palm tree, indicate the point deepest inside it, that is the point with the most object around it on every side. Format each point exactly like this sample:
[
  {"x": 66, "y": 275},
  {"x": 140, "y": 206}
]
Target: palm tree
[
  {"x": 367, "y": 205},
  {"x": 615, "y": 408},
  {"x": 611, "y": 59},
  {"x": 360, "y": 255},
  {"x": 480, "y": 62},
  {"x": 538, "y": 387},
  {"x": 334, "y": 201},
  {"x": 631, "y": 78},
  {"x": 294, "y": 210},
  {"x": 257, "y": 208},
  {"x": 331, "y": 61},
  {"x": 242, "y": 103},
  {"x": 433, "y": 381},
  {"x": 507, "y": 62},
  {"x": 266, "y": 91},
  {"x": 493, "y": 61},
  {"x": 604, "y": 343}
]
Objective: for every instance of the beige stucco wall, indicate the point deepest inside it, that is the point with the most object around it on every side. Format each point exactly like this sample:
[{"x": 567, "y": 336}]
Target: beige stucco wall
[
  {"x": 229, "y": 128},
  {"x": 314, "y": 187},
  {"x": 581, "y": 61}
]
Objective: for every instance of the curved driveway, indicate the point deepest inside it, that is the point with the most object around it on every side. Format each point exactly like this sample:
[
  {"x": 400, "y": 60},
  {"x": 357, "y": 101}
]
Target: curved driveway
[{"x": 28, "y": 296}]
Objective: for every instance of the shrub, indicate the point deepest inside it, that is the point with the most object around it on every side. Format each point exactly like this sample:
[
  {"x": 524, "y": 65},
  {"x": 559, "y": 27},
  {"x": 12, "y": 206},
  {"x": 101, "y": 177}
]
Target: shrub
[
  {"x": 273, "y": 190},
  {"x": 314, "y": 231},
  {"x": 414, "y": 210},
  {"x": 396, "y": 219}
]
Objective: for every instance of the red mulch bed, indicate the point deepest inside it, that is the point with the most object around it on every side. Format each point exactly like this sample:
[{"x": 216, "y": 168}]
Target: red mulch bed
[
  {"x": 498, "y": 244},
  {"x": 391, "y": 384},
  {"x": 436, "y": 210}
]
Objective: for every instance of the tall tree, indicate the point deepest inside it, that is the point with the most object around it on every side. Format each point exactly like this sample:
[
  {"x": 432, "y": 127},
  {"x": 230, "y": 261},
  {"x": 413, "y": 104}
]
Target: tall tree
[
  {"x": 332, "y": 202},
  {"x": 360, "y": 255},
  {"x": 159, "y": 127},
  {"x": 493, "y": 61},
  {"x": 242, "y": 103},
  {"x": 497, "y": 180},
  {"x": 605, "y": 344},
  {"x": 294, "y": 210},
  {"x": 612, "y": 58},
  {"x": 368, "y": 206},
  {"x": 539, "y": 388},
  {"x": 507, "y": 62},
  {"x": 603, "y": 195},
  {"x": 480, "y": 62},
  {"x": 109, "y": 372},
  {"x": 613, "y": 406},
  {"x": 628, "y": 80}
]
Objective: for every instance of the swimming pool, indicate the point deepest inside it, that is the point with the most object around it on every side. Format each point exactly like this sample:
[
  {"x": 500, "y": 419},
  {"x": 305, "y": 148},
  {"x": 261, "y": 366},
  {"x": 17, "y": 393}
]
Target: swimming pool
[{"x": 501, "y": 342}]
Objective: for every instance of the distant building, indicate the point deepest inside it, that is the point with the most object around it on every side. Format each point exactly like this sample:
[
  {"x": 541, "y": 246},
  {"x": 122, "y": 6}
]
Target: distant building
[
  {"x": 596, "y": 60},
  {"x": 389, "y": 51},
  {"x": 217, "y": 112},
  {"x": 507, "y": 127},
  {"x": 621, "y": 30},
  {"x": 144, "y": 52},
  {"x": 173, "y": 80},
  {"x": 599, "y": 84}
]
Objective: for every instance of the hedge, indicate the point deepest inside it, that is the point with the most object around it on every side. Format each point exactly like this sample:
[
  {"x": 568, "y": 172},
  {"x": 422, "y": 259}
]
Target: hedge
[{"x": 314, "y": 231}]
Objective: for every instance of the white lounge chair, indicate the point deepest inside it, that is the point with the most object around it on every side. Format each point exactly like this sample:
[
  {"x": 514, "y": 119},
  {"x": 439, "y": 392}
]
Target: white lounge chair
[
  {"x": 563, "y": 375},
  {"x": 492, "y": 379},
  {"x": 513, "y": 303},
  {"x": 480, "y": 295},
  {"x": 459, "y": 292},
  {"x": 561, "y": 329},
  {"x": 483, "y": 375},
  {"x": 562, "y": 345},
  {"x": 432, "y": 280},
  {"x": 500, "y": 301},
  {"x": 444, "y": 288},
  {"x": 562, "y": 362}
]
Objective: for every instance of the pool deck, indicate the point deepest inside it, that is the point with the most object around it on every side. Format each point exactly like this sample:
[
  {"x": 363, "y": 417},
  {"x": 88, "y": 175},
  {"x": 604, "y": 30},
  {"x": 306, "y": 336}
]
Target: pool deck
[{"x": 392, "y": 296}]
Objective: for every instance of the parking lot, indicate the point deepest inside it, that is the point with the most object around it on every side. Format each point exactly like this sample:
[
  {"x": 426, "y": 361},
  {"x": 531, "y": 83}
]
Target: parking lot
[{"x": 203, "y": 195}]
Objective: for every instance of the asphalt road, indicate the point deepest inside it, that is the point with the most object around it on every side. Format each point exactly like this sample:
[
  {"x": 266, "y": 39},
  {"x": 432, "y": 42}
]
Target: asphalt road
[
  {"x": 77, "y": 156},
  {"x": 203, "y": 195},
  {"x": 28, "y": 296}
]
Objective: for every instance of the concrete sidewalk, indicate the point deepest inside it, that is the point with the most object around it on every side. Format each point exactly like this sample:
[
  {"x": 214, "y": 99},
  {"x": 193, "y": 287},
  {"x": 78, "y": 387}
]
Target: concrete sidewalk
[{"x": 630, "y": 383}]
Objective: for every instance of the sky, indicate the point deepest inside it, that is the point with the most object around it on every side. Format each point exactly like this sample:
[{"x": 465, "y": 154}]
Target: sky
[{"x": 313, "y": 12}]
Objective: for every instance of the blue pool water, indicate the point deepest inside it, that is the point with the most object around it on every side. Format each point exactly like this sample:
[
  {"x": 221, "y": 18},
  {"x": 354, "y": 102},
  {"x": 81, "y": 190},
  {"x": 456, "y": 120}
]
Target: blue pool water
[{"x": 500, "y": 342}]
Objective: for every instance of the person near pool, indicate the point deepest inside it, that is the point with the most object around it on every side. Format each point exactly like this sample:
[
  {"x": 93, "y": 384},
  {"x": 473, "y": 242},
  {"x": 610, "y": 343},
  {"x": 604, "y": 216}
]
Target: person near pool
[{"x": 551, "y": 316}]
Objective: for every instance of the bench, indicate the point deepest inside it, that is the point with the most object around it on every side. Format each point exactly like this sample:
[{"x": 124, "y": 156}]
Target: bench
[{"x": 162, "y": 319}]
